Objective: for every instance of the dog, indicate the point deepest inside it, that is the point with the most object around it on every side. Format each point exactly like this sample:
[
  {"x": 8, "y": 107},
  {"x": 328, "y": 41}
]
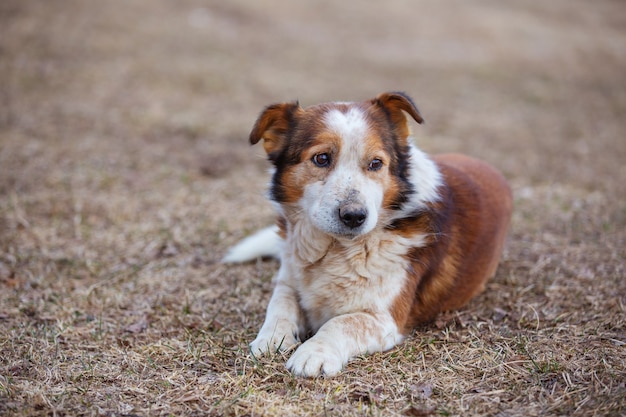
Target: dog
[{"x": 374, "y": 236}]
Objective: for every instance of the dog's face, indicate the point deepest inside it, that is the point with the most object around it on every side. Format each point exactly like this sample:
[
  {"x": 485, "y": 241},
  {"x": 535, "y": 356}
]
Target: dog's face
[{"x": 344, "y": 165}]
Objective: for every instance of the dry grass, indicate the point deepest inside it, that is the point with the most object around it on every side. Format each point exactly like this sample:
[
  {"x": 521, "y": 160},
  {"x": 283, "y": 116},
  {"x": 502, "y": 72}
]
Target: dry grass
[{"x": 125, "y": 175}]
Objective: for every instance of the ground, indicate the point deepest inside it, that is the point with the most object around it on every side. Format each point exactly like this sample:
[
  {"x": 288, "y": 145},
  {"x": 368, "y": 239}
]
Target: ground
[{"x": 125, "y": 174}]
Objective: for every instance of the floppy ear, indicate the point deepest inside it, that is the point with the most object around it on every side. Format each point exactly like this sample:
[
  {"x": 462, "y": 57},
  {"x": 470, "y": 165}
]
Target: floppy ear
[
  {"x": 273, "y": 127},
  {"x": 394, "y": 103}
]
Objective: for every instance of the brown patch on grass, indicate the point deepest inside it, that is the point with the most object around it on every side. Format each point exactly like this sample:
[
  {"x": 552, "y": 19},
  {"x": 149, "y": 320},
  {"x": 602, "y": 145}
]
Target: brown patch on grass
[{"x": 125, "y": 174}]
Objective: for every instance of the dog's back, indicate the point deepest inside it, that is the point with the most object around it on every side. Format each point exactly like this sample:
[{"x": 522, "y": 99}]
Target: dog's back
[{"x": 472, "y": 219}]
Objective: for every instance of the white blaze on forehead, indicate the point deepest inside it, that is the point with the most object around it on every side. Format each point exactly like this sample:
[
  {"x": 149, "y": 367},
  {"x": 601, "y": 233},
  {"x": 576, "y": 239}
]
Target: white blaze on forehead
[{"x": 350, "y": 126}]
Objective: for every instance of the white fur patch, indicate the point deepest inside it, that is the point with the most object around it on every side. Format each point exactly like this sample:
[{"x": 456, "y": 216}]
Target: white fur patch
[
  {"x": 426, "y": 179},
  {"x": 351, "y": 126}
]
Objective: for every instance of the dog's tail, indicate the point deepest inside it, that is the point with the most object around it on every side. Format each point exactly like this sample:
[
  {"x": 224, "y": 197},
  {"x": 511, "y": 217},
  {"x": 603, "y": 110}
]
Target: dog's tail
[{"x": 263, "y": 244}]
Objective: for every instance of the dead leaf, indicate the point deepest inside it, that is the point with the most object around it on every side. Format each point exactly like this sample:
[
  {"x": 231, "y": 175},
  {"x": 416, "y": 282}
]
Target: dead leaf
[
  {"x": 139, "y": 326},
  {"x": 422, "y": 391}
]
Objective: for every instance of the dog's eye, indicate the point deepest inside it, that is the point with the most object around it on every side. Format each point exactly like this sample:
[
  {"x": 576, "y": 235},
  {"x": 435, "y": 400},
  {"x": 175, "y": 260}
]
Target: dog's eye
[
  {"x": 375, "y": 165},
  {"x": 322, "y": 160}
]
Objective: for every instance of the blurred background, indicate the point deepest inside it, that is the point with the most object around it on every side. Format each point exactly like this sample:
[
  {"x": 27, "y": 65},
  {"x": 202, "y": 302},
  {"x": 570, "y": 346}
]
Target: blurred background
[{"x": 538, "y": 88}]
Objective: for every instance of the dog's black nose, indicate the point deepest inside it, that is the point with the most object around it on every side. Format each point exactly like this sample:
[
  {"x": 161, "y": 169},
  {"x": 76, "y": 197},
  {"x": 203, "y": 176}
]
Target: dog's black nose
[{"x": 352, "y": 216}]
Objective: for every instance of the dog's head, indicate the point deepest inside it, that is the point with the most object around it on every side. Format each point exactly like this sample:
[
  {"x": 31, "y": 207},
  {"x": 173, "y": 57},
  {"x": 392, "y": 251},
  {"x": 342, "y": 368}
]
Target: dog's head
[{"x": 345, "y": 166}]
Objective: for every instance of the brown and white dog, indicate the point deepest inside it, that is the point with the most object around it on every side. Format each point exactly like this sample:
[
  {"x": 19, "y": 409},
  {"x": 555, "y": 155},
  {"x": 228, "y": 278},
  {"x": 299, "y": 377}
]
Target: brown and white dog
[{"x": 374, "y": 236}]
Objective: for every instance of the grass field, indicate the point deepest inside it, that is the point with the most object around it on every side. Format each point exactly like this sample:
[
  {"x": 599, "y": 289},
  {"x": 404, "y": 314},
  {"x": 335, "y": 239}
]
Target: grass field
[{"x": 125, "y": 175}]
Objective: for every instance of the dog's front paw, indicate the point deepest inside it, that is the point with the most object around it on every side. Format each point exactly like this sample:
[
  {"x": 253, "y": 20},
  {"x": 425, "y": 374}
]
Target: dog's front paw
[
  {"x": 314, "y": 359},
  {"x": 267, "y": 342}
]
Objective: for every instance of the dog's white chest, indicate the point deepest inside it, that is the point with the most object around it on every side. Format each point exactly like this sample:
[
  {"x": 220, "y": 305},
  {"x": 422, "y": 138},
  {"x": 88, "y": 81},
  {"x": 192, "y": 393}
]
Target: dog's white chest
[{"x": 360, "y": 276}]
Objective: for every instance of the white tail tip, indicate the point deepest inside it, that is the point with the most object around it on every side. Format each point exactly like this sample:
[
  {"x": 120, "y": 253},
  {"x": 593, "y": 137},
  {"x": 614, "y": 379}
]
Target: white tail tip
[{"x": 263, "y": 244}]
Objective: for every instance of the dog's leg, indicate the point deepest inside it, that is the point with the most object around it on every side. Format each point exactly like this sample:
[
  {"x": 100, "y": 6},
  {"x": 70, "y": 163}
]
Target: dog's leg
[
  {"x": 342, "y": 338},
  {"x": 284, "y": 320}
]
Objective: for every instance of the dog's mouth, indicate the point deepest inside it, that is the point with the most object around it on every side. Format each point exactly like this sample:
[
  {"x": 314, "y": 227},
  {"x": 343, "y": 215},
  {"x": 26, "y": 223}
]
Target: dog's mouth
[
  {"x": 339, "y": 231},
  {"x": 347, "y": 235},
  {"x": 348, "y": 229}
]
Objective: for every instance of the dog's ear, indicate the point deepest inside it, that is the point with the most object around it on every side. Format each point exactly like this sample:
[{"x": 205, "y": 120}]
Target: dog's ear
[
  {"x": 394, "y": 104},
  {"x": 396, "y": 101},
  {"x": 273, "y": 126}
]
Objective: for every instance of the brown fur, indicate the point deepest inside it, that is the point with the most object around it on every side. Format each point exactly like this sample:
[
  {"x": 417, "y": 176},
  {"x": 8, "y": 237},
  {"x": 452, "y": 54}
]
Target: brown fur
[{"x": 473, "y": 218}]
